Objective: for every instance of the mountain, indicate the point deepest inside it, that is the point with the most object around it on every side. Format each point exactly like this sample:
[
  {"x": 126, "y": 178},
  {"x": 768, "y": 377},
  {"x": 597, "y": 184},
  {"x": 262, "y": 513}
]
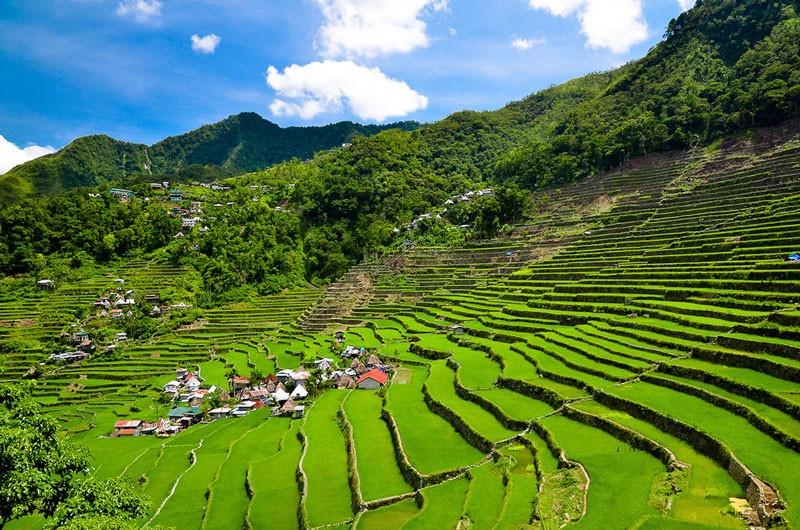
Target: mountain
[
  {"x": 725, "y": 66},
  {"x": 239, "y": 144}
]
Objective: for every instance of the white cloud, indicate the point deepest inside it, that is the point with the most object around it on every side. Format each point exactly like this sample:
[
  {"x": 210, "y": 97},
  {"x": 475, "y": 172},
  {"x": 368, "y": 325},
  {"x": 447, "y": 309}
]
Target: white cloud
[
  {"x": 143, "y": 11},
  {"x": 686, "y": 4},
  {"x": 207, "y": 44},
  {"x": 370, "y": 28},
  {"x": 11, "y": 155},
  {"x": 613, "y": 24},
  {"x": 330, "y": 86},
  {"x": 526, "y": 44}
]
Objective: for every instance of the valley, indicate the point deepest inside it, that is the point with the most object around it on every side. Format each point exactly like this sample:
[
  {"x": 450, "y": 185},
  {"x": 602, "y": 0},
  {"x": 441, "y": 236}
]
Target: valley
[{"x": 627, "y": 358}]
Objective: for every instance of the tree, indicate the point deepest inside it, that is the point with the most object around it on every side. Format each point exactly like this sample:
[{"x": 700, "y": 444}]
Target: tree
[
  {"x": 37, "y": 464},
  {"x": 40, "y": 469},
  {"x": 256, "y": 376},
  {"x": 102, "y": 503},
  {"x": 230, "y": 375}
]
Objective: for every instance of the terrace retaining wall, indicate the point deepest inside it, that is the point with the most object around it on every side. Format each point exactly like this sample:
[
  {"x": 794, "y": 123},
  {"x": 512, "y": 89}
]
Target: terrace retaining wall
[{"x": 761, "y": 496}]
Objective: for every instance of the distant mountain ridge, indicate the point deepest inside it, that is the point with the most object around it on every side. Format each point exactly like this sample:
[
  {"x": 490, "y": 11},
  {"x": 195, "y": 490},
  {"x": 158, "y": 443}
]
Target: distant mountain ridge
[{"x": 239, "y": 144}]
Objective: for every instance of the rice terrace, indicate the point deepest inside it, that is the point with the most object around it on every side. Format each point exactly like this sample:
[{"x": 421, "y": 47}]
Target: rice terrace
[{"x": 579, "y": 311}]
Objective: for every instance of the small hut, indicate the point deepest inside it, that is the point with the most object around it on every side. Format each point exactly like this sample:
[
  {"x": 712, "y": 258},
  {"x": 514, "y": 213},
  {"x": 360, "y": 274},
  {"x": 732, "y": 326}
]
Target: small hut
[
  {"x": 346, "y": 382},
  {"x": 45, "y": 285},
  {"x": 361, "y": 369},
  {"x": 288, "y": 408}
]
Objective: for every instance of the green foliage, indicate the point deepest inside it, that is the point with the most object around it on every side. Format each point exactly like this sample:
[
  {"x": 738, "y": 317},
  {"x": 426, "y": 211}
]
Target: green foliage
[
  {"x": 56, "y": 235},
  {"x": 725, "y": 66},
  {"x": 111, "y": 504},
  {"x": 38, "y": 468},
  {"x": 37, "y": 463},
  {"x": 87, "y": 161},
  {"x": 236, "y": 145}
]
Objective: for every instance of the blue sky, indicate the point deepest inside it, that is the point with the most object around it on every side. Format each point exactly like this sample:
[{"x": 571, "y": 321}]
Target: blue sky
[{"x": 142, "y": 70}]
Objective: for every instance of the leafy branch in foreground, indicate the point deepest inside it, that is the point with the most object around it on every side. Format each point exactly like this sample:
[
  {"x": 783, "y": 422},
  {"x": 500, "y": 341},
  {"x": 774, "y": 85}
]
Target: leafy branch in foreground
[{"x": 40, "y": 470}]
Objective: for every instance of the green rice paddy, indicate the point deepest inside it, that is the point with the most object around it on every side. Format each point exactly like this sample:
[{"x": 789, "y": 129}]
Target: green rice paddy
[{"x": 616, "y": 300}]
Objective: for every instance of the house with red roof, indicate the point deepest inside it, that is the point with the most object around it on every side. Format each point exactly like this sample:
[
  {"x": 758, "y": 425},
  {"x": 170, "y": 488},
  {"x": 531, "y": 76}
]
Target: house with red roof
[
  {"x": 372, "y": 380},
  {"x": 128, "y": 428}
]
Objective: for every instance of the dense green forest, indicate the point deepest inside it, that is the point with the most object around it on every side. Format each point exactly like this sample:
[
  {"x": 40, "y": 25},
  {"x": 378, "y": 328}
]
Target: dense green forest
[
  {"x": 236, "y": 145},
  {"x": 724, "y": 66}
]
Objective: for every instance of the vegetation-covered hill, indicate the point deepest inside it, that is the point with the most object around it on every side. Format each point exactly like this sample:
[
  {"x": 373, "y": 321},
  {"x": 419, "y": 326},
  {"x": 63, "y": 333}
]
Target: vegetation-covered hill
[
  {"x": 703, "y": 81},
  {"x": 625, "y": 357},
  {"x": 628, "y": 359},
  {"x": 238, "y": 144}
]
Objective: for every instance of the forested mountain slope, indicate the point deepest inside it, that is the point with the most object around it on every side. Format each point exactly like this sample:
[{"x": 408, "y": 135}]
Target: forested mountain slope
[
  {"x": 724, "y": 66},
  {"x": 238, "y": 144}
]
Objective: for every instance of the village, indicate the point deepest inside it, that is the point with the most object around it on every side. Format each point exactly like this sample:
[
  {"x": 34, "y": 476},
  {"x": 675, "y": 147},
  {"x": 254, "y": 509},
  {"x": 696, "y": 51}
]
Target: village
[{"x": 286, "y": 393}]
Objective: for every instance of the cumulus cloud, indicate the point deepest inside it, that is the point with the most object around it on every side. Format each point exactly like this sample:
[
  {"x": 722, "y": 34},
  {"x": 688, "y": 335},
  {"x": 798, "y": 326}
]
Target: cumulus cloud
[
  {"x": 371, "y": 28},
  {"x": 332, "y": 86},
  {"x": 613, "y": 24},
  {"x": 143, "y": 11},
  {"x": 523, "y": 44},
  {"x": 686, "y": 4},
  {"x": 11, "y": 155},
  {"x": 207, "y": 44}
]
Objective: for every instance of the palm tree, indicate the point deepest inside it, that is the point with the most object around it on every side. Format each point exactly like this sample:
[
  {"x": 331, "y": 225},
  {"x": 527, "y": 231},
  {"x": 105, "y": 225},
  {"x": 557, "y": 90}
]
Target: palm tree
[{"x": 230, "y": 375}]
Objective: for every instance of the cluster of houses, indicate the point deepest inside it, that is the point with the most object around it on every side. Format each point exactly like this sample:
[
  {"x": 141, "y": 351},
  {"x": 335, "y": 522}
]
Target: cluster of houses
[
  {"x": 115, "y": 304},
  {"x": 284, "y": 392},
  {"x": 83, "y": 347},
  {"x": 214, "y": 187},
  {"x": 45, "y": 285},
  {"x": 469, "y": 196},
  {"x": 190, "y": 217},
  {"x": 365, "y": 371},
  {"x": 122, "y": 195},
  {"x": 466, "y": 197}
]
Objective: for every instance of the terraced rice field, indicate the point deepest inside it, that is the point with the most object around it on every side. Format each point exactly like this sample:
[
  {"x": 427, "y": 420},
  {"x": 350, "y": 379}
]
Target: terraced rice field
[{"x": 631, "y": 359}]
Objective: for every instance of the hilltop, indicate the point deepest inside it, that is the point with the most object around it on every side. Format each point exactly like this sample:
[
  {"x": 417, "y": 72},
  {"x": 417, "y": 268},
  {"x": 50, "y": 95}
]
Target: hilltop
[{"x": 238, "y": 144}]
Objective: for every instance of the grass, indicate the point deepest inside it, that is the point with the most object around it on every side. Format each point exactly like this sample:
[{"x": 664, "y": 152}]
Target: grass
[
  {"x": 377, "y": 468},
  {"x": 194, "y": 485},
  {"x": 709, "y": 486},
  {"x": 516, "y": 406},
  {"x": 328, "y": 499},
  {"x": 477, "y": 369},
  {"x": 763, "y": 455},
  {"x": 228, "y": 500},
  {"x": 443, "y": 506},
  {"x": 440, "y": 386},
  {"x": 516, "y": 366},
  {"x": 780, "y": 419},
  {"x": 550, "y": 364},
  {"x": 392, "y": 517},
  {"x": 432, "y": 445},
  {"x": 485, "y": 496},
  {"x": 521, "y": 490},
  {"x": 621, "y": 477},
  {"x": 363, "y": 337},
  {"x": 275, "y": 495},
  {"x": 518, "y": 507}
]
